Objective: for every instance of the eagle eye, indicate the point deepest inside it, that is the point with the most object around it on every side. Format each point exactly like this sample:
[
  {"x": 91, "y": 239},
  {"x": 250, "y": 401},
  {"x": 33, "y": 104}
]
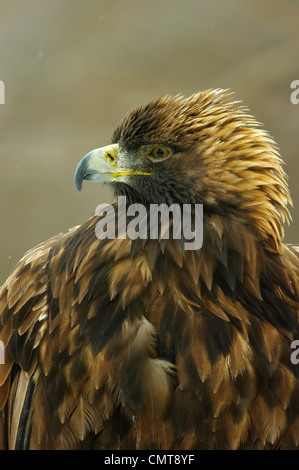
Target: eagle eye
[{"x": 158, "y": 153}]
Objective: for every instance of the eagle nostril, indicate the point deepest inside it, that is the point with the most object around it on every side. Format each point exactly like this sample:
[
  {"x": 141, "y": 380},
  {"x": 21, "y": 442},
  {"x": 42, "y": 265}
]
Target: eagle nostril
[{"x": 111, "y": 157}]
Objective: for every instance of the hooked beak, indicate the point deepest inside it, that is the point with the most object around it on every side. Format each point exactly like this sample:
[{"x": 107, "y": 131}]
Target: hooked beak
[{"x": 100, "y": 165}]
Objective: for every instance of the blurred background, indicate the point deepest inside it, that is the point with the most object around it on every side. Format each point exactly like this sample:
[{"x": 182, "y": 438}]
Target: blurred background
[{"x": 73, "y": 68}]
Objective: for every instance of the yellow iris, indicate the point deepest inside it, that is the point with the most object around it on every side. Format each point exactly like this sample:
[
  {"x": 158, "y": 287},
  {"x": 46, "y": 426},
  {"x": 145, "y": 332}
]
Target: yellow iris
[{"x": 158, "y": 152}]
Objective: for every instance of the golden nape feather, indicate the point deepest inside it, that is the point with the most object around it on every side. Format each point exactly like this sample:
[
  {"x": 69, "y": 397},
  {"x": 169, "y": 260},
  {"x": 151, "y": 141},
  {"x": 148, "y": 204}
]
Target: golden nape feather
[{"x": 139, "y": 343}]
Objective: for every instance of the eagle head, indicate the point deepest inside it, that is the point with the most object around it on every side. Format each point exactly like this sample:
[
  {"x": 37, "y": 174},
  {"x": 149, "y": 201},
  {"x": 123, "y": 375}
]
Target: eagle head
[{"x": 203, "y": 149}]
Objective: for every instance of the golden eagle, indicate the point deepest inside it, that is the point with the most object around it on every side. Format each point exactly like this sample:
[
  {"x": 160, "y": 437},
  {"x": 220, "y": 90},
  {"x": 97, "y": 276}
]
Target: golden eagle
[{"x": 139, "y": 343}]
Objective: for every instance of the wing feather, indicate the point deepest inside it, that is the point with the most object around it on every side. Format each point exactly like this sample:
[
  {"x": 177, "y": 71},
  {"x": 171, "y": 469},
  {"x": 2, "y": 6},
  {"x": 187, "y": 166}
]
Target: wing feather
[{"x": 151, "y": 347}]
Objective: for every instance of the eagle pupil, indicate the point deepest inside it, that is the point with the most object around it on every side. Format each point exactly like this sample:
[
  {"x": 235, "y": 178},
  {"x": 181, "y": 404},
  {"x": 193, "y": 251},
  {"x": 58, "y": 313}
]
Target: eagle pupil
[{"x": 160, "y": 153}]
